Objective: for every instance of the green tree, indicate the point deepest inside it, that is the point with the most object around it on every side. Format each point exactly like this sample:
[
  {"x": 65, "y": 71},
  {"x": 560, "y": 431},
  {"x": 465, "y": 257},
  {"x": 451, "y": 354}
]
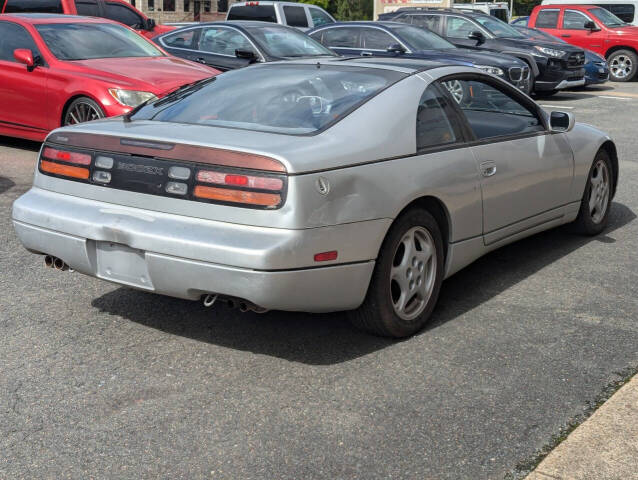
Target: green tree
[{"x": 345, "y": 10}]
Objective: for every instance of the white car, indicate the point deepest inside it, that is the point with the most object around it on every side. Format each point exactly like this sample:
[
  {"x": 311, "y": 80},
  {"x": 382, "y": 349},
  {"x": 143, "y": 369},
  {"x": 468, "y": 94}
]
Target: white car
[{"x": 300, "y": 15}]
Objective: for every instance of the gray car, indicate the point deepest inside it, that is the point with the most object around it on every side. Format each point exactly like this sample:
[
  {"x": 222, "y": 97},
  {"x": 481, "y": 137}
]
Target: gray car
[{"x": 345, "y": 185}]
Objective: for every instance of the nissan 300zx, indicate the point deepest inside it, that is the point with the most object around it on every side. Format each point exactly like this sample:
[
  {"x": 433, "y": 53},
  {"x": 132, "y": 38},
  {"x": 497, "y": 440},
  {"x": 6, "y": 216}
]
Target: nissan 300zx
[{"x": 354, "y": 185}]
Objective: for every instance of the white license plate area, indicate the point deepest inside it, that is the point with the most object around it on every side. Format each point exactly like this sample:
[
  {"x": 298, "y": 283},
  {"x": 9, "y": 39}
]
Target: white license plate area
[{"x": 122, "y": 264}]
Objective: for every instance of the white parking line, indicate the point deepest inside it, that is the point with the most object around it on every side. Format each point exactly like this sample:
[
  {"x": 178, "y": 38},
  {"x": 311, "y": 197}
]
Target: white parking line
[
  {"x": 615, "y": 98},
  {"x": 557, "y": 106}
]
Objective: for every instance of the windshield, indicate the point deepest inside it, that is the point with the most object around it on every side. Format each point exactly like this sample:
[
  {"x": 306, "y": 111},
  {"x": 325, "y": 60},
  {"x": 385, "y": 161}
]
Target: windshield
[
  {"x": 497, "y": 28},
  {"x": 421, "y": 39},
  {"x": 287, "y": 42},
  {"x": 290, "y": 99},
  {"x": 84, "y": 41},
  {"x": 606, "y": 17}
]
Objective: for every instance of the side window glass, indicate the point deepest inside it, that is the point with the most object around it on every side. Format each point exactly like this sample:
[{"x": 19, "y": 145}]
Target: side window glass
[
  {"x": 318, "y": 17},
  {"x": 430, "y": 22},
  {"x": 459, "y": 27},
  {"x": 295, "y": 16},
  {"x": 122, "y": 14},
  {"x": 88, "y": 8},
  {"x": 12, "y": 37},
  {"x": 491, "y": 112},
  {"x": 180, "y": 39},
  {"x": 547, "y": 19},
  {"x": 435, "y": 124},
  {"x": 375, "y": 39},
  {"x": 223, "y": 41},
  {"x": 573, "y": 20},
  {"x": 339, "y": 37}
]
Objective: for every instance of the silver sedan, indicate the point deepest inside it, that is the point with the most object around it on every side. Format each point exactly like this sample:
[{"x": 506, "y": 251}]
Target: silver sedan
[{"x": 353, "y": 185}]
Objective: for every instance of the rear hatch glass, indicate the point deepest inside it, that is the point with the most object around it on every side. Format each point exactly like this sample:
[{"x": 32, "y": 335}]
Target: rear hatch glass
[
  {"x": 261, "y": 13},
  {"x": 286, "y": 99}
]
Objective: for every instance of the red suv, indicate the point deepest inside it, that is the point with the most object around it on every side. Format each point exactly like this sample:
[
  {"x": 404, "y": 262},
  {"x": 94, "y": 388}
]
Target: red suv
[
  {"x": 117, "y": 10},
  {"x": 595, "y": 29}
]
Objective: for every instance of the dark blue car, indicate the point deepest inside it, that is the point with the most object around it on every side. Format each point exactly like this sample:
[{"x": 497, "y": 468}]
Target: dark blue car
[
  {"x": 596, "y": 67},
  {"x": 394, "y": 39}
]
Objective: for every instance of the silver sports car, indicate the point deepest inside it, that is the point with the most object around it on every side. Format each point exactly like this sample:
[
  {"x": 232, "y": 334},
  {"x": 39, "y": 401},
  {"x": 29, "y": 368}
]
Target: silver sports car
[{"x": 315, "y": 186}]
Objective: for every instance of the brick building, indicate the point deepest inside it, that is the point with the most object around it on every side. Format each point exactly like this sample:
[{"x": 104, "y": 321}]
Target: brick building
[{"x": 167, "y": 11}]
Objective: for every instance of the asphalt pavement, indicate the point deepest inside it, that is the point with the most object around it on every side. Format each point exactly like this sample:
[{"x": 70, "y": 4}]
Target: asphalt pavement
[{"x": 100, "y": 381}]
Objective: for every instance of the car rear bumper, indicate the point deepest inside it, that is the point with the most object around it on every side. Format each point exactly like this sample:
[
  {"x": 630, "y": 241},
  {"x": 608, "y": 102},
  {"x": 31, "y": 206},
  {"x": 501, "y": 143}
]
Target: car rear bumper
[
  {"x": 186, "y": 258},
  {"x": 563, "y": 84}
]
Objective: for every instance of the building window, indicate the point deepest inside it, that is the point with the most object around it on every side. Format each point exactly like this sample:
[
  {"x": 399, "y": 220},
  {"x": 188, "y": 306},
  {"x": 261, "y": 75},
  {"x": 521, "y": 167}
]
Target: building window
[
  {"x": 187, "y": 5},
  {"x": 151, "y": 5},
  {"x": 168, "y": 5},
  {"x": 206, "y": 5}
]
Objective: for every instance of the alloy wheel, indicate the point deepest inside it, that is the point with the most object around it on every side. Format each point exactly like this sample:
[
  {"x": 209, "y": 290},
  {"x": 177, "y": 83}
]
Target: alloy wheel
[
  {"x": 456, "y": 90},
  {"x": 621, "y": 66},
  {"x": 82, "y": 112},
  {"x": 599, "y": 192},
  {"x": 413, "y": 273}
]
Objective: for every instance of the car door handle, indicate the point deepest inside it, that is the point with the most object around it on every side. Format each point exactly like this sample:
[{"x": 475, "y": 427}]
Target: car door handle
[
  {"x": 565, "y": 35},
  {"x": 488, "y": 168},
  {"x": 366, "y": 54}
]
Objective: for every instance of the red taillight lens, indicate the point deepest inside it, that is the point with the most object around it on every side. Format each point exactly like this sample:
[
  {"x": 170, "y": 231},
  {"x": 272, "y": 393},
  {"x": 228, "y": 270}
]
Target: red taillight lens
[
  {"x": 65, "y": 170},
  {"x": 249, "y": 181},
  {"x": 237, "y": 196},
  {"x": 65, "y": 156}
]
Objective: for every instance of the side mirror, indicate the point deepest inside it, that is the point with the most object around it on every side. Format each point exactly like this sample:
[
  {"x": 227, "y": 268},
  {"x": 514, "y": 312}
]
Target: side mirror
[
  {"x": 561, "y": 122},
  {"x": 591, "y": 25},
  {"x": 246, "y": 55},
  {"x": 396, "y": 48},
  {"x": 149, "y": 24},
  {"x": 25, "y": 56},
  {"x": 478, "y": 36}
]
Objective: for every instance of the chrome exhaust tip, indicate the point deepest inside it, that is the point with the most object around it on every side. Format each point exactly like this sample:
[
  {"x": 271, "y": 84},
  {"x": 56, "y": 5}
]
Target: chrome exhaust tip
[
  {"x": 48, "y": 261},
  {"x": 59, "y": 264}
]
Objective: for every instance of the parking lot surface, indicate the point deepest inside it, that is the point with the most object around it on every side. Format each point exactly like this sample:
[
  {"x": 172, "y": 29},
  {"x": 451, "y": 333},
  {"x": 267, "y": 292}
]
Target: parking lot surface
[{"x": 100, "y": 381}]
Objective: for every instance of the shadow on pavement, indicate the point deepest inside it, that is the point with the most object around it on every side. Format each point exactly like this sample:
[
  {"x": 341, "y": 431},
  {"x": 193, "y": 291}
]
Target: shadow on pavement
[
  {"x": 5, "y": 184},
  {"x": 11, "y": 142},
  {"x": 325, "y": 339}
]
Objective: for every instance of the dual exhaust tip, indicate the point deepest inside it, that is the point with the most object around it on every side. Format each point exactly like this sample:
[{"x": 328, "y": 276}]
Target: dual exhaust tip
[
  {"x": 243, "y": 305},
  {"x": 55, "y": 262}
]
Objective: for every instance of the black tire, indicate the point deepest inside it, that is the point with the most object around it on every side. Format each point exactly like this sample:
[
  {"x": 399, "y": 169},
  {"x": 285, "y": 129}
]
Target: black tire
[
  {"x": 622, "y": 65},
  {"x": 590, "y": 221},
  {"x": 377, "y": 314},
  {"x": 82, "y": 109}
]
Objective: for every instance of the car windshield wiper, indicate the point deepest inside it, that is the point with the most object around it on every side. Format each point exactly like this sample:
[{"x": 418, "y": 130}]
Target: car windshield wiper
[
  {"x": 184, "y": 91},
  {"x": 177, "y": 94}
]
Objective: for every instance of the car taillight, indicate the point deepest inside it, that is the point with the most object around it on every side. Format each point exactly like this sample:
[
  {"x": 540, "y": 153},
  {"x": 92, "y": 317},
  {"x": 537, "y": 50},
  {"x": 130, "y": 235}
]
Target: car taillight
[
  {"x": 236, "y": 186},
  {"x": 253, "y": 189}
]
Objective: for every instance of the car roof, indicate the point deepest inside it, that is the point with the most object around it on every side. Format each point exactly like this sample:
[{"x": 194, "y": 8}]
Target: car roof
[{"x": 41, "y": 18}]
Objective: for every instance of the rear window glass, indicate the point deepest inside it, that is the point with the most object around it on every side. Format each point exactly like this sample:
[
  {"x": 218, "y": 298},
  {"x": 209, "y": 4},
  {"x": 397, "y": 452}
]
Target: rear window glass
[
  {"x": 286, "y": 42},
  {"x": 40, "y": 6},
  {"x": 262, "y": 13},
  {"x": 288, "y": 99},
  {"x": 85, "y": 41}
]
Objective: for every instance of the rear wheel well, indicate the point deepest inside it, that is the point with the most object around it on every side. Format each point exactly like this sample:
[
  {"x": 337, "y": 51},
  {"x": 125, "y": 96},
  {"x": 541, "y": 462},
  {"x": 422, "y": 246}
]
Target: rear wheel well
[
  {"x": 610, "y": 148},
  {"x": 437, "y": 209},
  {"x": 619, "y": 47}
]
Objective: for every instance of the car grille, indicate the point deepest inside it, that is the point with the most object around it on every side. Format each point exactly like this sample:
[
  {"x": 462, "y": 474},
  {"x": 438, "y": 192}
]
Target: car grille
[
  {"x": 518, "y": 73},
  {"x": 576, "y": 59}
]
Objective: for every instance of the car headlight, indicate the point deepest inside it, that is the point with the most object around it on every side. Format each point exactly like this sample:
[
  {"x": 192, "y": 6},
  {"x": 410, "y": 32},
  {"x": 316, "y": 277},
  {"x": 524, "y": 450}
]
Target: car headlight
[
  {"x": 131, "y": 98},
  {"x": 550, "y": 52},
  {"x": 489, "y": 69}
]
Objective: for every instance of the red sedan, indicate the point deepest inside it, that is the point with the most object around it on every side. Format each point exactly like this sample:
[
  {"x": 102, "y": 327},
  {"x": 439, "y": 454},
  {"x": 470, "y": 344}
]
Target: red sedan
[{"x": 60, "y": 69}]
